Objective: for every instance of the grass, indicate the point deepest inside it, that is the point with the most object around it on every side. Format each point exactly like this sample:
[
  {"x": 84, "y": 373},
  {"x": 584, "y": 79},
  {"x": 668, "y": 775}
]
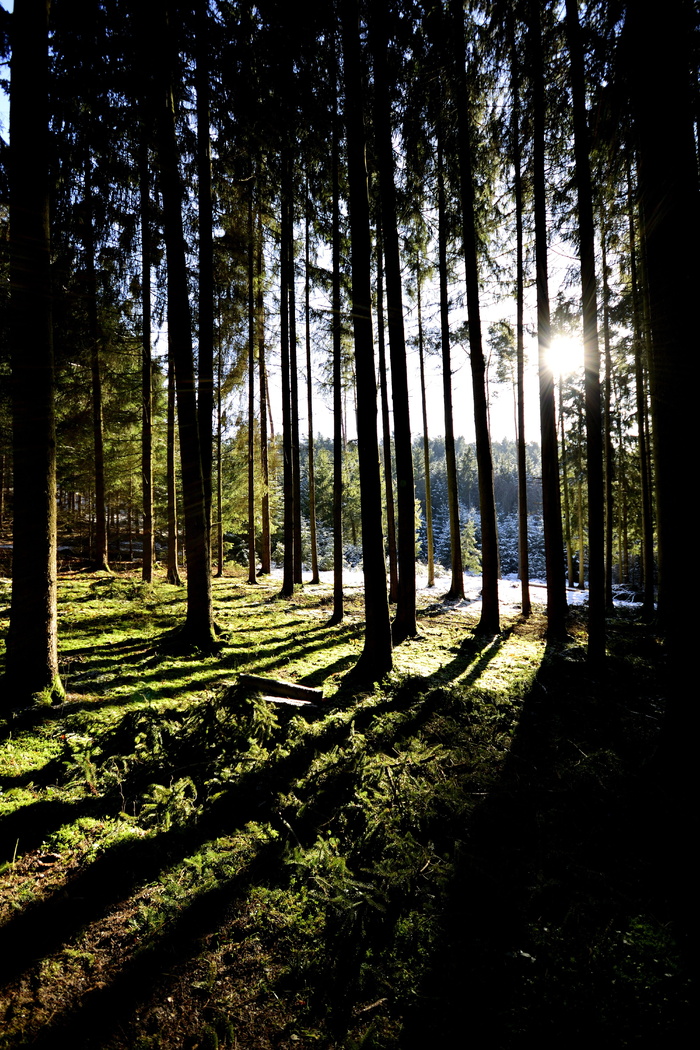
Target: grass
[{"x": 469, "y": 849}]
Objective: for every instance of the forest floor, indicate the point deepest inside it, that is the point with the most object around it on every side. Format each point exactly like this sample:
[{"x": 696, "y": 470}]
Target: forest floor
[{"x": 475, "y": 851}]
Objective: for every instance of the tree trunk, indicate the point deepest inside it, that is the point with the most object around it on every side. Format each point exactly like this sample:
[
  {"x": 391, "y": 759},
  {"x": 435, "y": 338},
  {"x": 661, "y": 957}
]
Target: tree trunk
[
  {"x": 336, "y": 330},
  {"x": 386, "y": 431},
  {"x": 31, "y": 664},
  {"x": 219, "y": 478},
  {"x": 591, "y": 353},
  {"x": 404, "y": 625},
  {"x": 426, "y": 442},
  {"x": 565, "y": 489},
  {"x": 490, "y": 622},
  {"x": 252, "y": 578},
  {"x": 609, "y": 459},
  {"x": 376, "y": 658},
  {"x": 146, "y": 369},
  {"x": 309, "y": 396},
  {"x": 198, "y": 629},
  {"x": 642, "y": 421},
  {"x": 205, "y": 355},
  {"x": 456, "y": 590},
  {"x": 100, "y": 561},
  {"x": 523, "y": 545},
  {"x": 294, "y": 388},
  {"x": 551, "y": 500},
  {"x": 172, "y": 571},
  {"x": 288, "y": 572},
  {"x": 265, "y": 554}
]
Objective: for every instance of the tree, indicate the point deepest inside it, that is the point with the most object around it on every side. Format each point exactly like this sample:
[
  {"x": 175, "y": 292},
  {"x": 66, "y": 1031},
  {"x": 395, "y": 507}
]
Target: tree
[
  {"x": 32, "y": 653},
  {"x": 404, "y": 625},
  {"x": 551, "y": 499},
  {"x": 489, "y": 622},
  {"x": 376, "y": 659},
  {"x": 457, "y": 582},
  {"x": 198, "y": 629},
  {"x": 668, "y": 185},
  {"x": 594, "y": 423}
]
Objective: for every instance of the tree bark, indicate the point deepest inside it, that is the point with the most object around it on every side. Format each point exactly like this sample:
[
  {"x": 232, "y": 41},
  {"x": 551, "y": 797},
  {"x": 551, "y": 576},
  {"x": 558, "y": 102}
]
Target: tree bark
[
  {"x": 146, "y": 369},
  {"x": 376, "y": 658},
  {"x": 265, "y": 554},
  {"x": 426, "y": 442},
  {"x": 32, "y": 655},
  {"x": 551, "y": 499},
  {"x": 252, "y": 578},
  {"x": 386, "y": 431},
  {"x": 591, "y": 353},
  {"x": 490, "y": 621},
  {"x": 205, "y": 328},
  {"x": 309, "y": 394},
  {"x": 288, "y": 571},
  {"x": 456, "y": 590},
  {"x": 336, "y": 332},
  {"x": 172, "y": 571},
  {"x": 404, "y": 625},
  {"x": 523, "y": 545},
  {"x": 198, "y": 629}
]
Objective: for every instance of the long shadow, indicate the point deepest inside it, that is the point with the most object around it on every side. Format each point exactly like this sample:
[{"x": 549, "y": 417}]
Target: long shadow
[
  {"x": 41, "y": 928},
  {"x": 103, "y": 1009},
  {"x": 551, "y": 877}
]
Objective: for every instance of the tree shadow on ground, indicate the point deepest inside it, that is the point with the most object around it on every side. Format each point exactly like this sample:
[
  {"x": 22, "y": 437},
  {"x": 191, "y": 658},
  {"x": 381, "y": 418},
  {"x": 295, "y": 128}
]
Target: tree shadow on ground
[{"x": 553, "y": 931}]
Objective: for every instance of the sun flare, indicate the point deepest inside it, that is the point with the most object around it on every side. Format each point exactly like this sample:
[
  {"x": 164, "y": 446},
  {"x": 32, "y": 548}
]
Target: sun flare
[{"x": 565, "y": 355}]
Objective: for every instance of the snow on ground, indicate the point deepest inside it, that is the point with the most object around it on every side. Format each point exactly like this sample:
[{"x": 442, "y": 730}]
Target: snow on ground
[{"x": 509, "y": 589}]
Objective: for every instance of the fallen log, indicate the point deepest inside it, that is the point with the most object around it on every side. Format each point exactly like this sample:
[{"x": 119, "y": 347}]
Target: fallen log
[{"x": 275, "y": 687}]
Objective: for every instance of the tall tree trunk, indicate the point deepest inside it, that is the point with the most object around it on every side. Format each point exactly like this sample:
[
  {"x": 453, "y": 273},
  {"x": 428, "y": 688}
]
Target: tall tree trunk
[
  {"x": 198, "y": 629},
  {"x": 642, "y": 423},
  {"x": 404, "y": 624},
  {"x": 668, "y": 180},
  {"x": 456, "y": 590},
  {"x": 386, "y": 432},
  {"x": 205, "y": 356},
  {"x": 251, "y": 390},
  {"x": 551, "y": 500},
  {"x": 591, "y": 353},
  {"x": 565, "y": 489},
  {"x": 490, "y": 620},
  {"x": 309, "y": 394},
  {"x": 172, "y": 571},
  {"x": 294, "y": 381},
  {"x": 31, "y": 663},
  {"x": 376, "y": 658},
  {"x": 288, "y": 573},
  {"x": 100, "y": 559},
  {"x": 146, "y": 369},
  {"x": 523, "y": 545},
  {"x": 426, "y": 442},
  {"x": 336, "y": 332},
  {"x": 265, "y": 554},
  {"x": 609, "y": 459},
  {"x": 219, "y": 478}
]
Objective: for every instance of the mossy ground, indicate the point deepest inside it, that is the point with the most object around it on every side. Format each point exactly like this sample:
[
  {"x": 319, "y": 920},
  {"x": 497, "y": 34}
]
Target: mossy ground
[{"x": 469, "y": 853}]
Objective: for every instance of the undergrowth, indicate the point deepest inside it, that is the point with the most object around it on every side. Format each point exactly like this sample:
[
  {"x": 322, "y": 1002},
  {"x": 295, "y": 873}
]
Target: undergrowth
[{"x": 186, "y": 864}]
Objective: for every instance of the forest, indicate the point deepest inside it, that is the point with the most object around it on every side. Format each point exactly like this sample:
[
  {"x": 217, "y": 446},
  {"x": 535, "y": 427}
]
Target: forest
[{"x": 348, "y": 368}]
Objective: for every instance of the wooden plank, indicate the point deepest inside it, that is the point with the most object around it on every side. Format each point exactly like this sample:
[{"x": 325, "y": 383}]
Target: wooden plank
[{"x": 277, "y": 687}]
